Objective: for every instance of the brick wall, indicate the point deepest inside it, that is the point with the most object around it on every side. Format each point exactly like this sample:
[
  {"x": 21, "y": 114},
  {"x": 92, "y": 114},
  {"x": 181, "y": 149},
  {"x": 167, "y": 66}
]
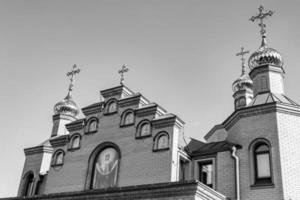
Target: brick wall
[
  {"x": 245, "y": 131},
  {"x": 289, "y": 145},
  {"x": 138, "y": 164}
]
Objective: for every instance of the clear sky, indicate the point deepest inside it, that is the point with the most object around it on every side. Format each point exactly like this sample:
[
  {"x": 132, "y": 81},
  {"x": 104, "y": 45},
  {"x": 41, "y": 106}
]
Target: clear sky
[{"x": 181, "y": 54}]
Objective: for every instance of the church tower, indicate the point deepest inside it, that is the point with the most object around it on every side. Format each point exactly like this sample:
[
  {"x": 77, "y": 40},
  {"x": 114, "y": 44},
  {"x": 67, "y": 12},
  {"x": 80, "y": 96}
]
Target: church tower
[
  {"x": 268, "y": 129},
  {"x": 66, "y": 110}
]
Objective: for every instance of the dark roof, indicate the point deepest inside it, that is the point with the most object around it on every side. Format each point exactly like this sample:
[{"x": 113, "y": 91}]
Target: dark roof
[{"x": 197, "y": 148}]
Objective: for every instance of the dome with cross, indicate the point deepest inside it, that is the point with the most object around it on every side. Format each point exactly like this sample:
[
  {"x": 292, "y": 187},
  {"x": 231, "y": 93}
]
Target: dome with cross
[
  {"x": 265, "y": 55},
  {"x": 67, "y": 106}
]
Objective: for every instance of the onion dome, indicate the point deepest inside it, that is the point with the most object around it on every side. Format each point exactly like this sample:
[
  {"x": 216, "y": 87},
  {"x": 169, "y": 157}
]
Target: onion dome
[
  {"x": 242, "y": 83},
  {"x": 265, "y": 55},
  {"x": 67, "y": 106}
]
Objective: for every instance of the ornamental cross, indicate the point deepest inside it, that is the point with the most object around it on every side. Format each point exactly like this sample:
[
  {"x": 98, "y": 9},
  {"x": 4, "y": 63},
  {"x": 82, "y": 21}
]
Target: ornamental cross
[
  {"x": 242, "y": 53},
  {"x": 123, "y": 70},
  {"x": 71, "y": 75},
  {"x": 261, "y": 16}
]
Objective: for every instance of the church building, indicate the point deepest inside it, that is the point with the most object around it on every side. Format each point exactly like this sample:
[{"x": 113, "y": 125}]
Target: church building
[{"x": 128, "y": 147}]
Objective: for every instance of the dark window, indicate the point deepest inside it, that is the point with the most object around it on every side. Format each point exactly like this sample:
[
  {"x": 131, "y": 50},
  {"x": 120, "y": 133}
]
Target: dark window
[
  {"x": 262, "y": 164},
  {"x": 28, "y": 185},
  {"x": 183, "y": 168},
  {"x": 206, "y": 173}
]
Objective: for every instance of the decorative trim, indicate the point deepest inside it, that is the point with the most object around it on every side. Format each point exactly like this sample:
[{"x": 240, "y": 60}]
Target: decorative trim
[
  {"x": 167, "y": 121},
  {"x": 38, "y": 149},
  {"x": 76, "y": 125},
  {"x": 150, "y": 109},
  {"x": 182, "y": 189},
  {"x": 93, "y": 109},
  {"x": 265, "y": 68},
  {"x": 119, "y": 90},
  {"x": 136, "y": 99},
  {"x": 260, "y": 109},
  {"x": 213, "y": 130},
  {"x": 59, "y": 140}
]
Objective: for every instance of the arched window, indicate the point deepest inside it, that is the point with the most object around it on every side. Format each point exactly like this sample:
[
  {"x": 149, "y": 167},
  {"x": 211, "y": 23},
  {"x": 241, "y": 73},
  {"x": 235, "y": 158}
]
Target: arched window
[
  {"x": 143, "y": 129},
  {"x": 161, "y": 141},
  {"x": 127, "y": 118},
  {"x": 103, "y": 166},
  {"x": 58, "y": 158},
  {"x": 75, "y": 142},
  {"x": 111, "y": 106},
  {"x": 262, "y": 162},
  {"x": 28, "y": 185},
  {"x": 92, "y": 125}
]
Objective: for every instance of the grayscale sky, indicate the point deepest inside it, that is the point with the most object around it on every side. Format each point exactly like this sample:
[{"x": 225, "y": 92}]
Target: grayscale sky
[{"x": 181, "y": 54}]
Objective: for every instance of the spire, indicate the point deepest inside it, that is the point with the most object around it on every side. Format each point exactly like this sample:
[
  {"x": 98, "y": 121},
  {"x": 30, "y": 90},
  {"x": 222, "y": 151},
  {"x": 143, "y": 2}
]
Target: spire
[
  {"x": 242, "y": 53},
  {"x": 261, "y": 16},
  {"x": 123, "y": 70},
  {"x": 71, "y": 74}
]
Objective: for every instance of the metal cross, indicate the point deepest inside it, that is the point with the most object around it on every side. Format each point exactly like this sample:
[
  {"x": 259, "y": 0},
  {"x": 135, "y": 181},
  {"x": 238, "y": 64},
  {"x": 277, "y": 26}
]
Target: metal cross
[
  {"x": 123, "y": 70},
  {"x": 261, "y": 16},
  {"x": 71, "y": 75},
  {"x": 242, "y": 53}
]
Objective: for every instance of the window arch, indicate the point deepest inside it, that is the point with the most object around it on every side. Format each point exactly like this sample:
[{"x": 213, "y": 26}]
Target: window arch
[
  {"x": 92, "y": 125},
  {"x": 111, "y": 106},
  {"x": 260, "y": 150},
  {"x": 161, "y": 141},
  {"x": 75, "y": 142},
  {"x": 28, "y": 185},
  {"x": 58, "y": 158},
  {"x": 127, "y": 118},
  {"x": 143, "y": 129},
  {"x": 103, "y": 166}
]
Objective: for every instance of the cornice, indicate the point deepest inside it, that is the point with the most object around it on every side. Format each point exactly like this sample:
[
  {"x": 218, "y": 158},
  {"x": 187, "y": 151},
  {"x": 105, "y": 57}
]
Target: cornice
[
  {"x": 167, "y": 121},
  {"x": 213, "y": 130},
  {"x": 148, "y": 191},
  {"x": 93, "y": 109},
  {"x": 59, "y": 140},
  {"x": 150, "y": 109},
  {"x": 62, "y": 116},
  {"x": 265, "y": 68},
  {"x": 119, "y": 90},
  {"x": 135, "y": 99},
  {"x": 38, "y": 150},
  {"x": 260, "y": 109},
  {"x": 76, "y": 125}
]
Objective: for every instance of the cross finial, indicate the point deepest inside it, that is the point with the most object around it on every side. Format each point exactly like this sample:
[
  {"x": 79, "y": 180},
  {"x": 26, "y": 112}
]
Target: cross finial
[
  {"x": 261, "y": 16},
  {"x": 71, "y": 74},
  {"x": 242, "y": 53},
  {"x": 123, "y": 70}
]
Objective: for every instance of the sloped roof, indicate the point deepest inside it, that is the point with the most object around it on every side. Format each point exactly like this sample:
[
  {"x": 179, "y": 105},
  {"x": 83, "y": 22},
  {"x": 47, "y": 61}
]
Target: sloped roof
[
  {"x": 269, "y": 97},
  {"x": 197, "y": 148}
]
